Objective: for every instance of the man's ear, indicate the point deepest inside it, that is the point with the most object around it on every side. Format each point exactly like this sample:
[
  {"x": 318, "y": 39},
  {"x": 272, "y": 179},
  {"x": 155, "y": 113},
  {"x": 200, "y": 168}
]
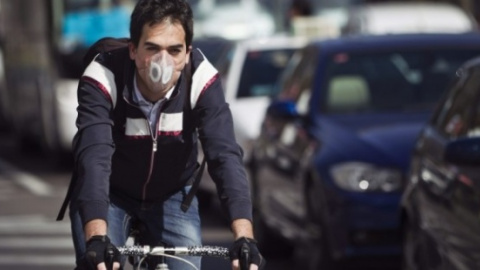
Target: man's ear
[
  {"x": 189, "y": 50},
  {"x": 132, "y": 50}
]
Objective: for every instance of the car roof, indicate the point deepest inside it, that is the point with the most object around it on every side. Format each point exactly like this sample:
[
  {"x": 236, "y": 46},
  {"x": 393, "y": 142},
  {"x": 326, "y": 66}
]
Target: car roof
[
  {"x": 402, "y": 17},
  {"x": 273, "y": 42},
  {"x": 400, "y": 41}
]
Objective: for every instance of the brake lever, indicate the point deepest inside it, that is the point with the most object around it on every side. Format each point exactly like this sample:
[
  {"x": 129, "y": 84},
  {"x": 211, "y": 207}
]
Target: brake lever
[
  {"x": 244, "y": 257},
  {"x": 109, "y": 255}
]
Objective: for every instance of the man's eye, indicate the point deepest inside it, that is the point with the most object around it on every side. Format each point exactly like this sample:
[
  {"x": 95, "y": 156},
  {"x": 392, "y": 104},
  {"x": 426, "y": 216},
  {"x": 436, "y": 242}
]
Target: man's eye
[{"x": 175, "y": 51}]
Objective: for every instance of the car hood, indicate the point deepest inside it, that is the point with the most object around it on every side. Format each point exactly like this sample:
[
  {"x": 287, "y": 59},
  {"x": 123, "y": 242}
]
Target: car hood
[{"x": 380, "y": 139}]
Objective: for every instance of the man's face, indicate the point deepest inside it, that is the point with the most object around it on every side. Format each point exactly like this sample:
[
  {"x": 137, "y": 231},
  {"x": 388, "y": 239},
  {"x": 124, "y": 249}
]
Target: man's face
[{"x": 168, "y": 38}]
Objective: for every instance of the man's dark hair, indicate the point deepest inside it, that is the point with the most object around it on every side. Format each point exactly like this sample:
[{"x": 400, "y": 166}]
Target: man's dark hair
[{"x": 156, "y": 11}]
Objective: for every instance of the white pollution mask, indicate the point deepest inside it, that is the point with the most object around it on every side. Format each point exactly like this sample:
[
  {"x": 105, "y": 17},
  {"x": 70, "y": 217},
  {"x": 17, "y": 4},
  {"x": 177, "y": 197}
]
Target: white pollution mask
[{"x": 160, "y": 72}]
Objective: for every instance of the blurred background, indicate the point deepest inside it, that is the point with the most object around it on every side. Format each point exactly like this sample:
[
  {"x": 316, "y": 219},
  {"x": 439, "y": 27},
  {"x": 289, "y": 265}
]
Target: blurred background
[{"x": 261, "y": 48}]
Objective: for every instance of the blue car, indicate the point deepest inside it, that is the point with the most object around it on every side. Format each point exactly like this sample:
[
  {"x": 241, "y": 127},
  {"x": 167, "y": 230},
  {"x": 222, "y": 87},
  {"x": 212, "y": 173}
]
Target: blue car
[{"x": 330, "y": 165}]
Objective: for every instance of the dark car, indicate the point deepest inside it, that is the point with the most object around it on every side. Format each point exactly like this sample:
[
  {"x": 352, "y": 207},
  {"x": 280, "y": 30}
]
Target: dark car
[
  {"x": 442, "y": 200},
  {"x": 329, "y": 167}
]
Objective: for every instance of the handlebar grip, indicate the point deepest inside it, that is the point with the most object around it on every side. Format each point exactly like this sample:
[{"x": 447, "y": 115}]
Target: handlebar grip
[
  {"x": 244, "y": 257},
  {"x": 109, "y": 255}
]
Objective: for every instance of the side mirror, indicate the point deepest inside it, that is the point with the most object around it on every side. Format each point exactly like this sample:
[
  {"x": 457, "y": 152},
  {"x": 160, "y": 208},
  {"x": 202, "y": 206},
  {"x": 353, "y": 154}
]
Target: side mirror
[
  {"x": 463, "y": 151},
  {"x": 283, "y": 109}
]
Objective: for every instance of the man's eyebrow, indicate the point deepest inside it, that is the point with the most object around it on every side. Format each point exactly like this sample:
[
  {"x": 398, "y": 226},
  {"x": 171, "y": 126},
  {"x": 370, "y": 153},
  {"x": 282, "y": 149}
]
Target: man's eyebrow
[{"x": 177, "y": 46}]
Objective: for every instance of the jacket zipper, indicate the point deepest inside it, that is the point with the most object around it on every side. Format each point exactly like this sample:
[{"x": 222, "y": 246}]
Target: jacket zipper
[
  {"x": 154, "y": 146},
  {"x": 152, "y": 157},
  {"x": 154, "y": 136}
]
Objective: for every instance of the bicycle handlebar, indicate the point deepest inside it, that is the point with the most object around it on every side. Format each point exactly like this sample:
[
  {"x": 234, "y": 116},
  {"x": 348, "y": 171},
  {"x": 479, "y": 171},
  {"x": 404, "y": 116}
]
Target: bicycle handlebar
[{"x": 210, "y": 251}]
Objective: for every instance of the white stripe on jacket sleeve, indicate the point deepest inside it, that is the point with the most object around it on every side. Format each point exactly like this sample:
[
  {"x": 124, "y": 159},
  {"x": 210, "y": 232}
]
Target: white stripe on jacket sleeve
[
  {"x": 104, "y": 77},
  {"x": 201, "y": 79}
]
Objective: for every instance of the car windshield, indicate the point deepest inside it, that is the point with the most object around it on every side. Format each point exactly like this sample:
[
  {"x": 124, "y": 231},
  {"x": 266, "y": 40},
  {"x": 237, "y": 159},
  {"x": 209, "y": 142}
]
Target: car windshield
[
  {"x": 261, "y": 71},
  {"x": 400, "y": 81}
]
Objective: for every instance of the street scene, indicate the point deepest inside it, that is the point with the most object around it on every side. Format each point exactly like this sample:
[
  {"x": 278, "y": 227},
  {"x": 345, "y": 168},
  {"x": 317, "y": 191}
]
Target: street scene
[{"x": 348, "y": 131}]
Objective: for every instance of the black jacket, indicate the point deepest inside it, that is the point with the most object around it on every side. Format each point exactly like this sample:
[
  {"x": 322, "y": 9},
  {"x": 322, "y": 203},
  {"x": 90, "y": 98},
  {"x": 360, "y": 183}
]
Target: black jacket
[{"x": 115, "y": 153}]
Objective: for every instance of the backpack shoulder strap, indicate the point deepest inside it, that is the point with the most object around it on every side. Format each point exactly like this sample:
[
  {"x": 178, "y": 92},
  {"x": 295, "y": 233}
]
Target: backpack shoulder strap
[
  {"x": 105, "y": 44},
  {"x": 187, "y": 200}
]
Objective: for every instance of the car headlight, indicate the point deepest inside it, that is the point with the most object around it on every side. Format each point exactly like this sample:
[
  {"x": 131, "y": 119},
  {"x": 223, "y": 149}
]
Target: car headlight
[{"x": 364, "y": 177}]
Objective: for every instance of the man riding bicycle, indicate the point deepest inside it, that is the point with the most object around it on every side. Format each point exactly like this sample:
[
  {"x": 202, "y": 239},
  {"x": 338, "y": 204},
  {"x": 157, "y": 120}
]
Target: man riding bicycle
[{"x": 141, "y": 110}]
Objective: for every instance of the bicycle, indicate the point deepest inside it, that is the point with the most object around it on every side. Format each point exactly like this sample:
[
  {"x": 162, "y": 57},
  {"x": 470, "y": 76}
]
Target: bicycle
[
  {"x": 137, "y": 251},
  {"x": 175, "y": 252}
]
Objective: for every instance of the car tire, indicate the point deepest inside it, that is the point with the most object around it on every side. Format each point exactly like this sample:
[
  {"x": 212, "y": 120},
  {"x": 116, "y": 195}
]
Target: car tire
[
  {"x": 418, "y": 253},
  {"x": 47, "y": 114},
  {"x": 270, "y": 244},
  {"x": 316, "y": 254},
  {"x": 409, "y": 247}
]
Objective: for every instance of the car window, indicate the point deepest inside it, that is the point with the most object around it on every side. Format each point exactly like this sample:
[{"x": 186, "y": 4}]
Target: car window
[
  {"x": 458, "y": 109},
  {"x": 261, "y": 70},
  {"x": 216, "y": 50},
  {"x": 297, "y": 79},
  {"x": 389, "y": 81},
  {"x": 473, "y": 129}
]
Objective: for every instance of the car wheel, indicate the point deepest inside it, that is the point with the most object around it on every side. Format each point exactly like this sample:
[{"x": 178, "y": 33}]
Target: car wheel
[
  {"x": 418, "y": 252},
  {"x": 270, "y": 244},
  {"x": 47, "y": 113},
  {"x": 411, "y": 247},
  {"x": 315, "y": 254},
  {"x": 251, "y": 170}
]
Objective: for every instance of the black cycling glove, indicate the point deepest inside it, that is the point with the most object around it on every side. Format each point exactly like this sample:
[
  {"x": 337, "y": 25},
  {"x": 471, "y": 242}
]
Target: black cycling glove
[
  {"x": 246, "y": 248},
  {"x": 99, "y": 249}
]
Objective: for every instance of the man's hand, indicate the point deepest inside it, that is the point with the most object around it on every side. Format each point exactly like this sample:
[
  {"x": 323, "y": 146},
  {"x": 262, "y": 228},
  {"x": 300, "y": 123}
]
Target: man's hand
[
  {"x": 100, "y": 252},
  {"x": 245, "y": 255}
]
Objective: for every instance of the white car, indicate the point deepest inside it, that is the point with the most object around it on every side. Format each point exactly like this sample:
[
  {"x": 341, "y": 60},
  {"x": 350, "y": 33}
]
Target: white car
[
  {"x": 403, "y": 17},
  {"x": 249, "y": 76}
]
